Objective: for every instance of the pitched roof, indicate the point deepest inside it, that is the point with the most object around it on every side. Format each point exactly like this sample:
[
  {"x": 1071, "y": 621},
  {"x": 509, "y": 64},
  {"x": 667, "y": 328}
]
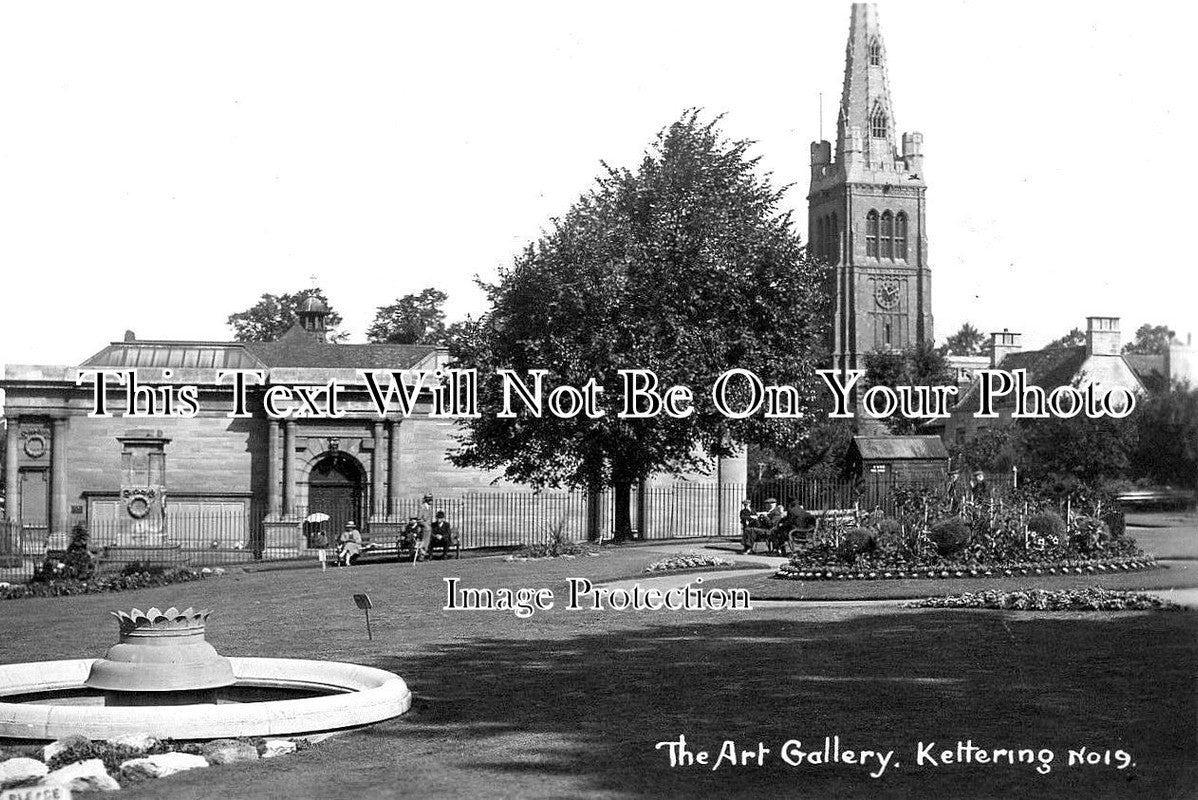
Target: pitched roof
[
  {"x": 1049, "y": 368},
  {"x": 296, "y": 348},
  {"x": 900, "y": 447},
  {"x": 1147, "y": 366}
]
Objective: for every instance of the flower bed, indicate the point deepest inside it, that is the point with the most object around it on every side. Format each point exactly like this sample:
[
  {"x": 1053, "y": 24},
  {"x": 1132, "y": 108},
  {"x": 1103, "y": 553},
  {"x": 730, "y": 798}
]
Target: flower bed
[
  {"x": 1093, "y": 598},
  {"x": 692, "y": 560},
  {"x": 822, "y": 571},
  {"x": 115, "y": 583},
  {"x": 939, "y": 536}
]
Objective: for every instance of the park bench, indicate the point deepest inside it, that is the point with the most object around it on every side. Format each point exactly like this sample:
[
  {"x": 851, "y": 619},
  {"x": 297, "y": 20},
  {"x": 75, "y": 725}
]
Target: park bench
[{"x": 402, "y": 548}]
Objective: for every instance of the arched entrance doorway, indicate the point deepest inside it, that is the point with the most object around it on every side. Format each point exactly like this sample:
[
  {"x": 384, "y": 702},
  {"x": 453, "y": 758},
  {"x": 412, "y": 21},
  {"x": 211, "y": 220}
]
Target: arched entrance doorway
[{"x": 337, "y": 487}]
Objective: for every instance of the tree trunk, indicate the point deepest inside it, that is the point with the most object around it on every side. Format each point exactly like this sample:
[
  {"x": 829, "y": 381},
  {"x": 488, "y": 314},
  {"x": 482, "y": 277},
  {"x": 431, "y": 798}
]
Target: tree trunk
[
  {"x": 594, "y": 498},
  {"x": 623, "y": 502}
]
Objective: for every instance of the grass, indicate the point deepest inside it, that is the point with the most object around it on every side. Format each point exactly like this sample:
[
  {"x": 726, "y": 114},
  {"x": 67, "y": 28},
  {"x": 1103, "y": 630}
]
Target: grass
[{"x": 571, "y": 704}]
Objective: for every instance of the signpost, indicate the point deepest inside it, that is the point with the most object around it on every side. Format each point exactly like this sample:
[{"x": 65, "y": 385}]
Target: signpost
[{"x": 363, "y": 601}]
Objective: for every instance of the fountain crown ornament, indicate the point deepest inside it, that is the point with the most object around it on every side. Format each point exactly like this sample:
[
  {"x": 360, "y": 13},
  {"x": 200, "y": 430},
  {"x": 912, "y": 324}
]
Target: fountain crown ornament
[
  {"x": 171, "y": 619},
  {"x": 160, "y": 652}
]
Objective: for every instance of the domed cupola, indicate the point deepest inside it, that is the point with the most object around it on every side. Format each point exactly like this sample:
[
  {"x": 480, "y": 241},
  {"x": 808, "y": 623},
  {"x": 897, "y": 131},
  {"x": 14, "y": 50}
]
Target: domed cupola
[{"x": 313, "y": 317}]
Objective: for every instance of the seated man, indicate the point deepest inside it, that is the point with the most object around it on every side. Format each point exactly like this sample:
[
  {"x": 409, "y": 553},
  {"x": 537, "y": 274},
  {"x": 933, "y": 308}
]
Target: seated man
[
  {"x": 442, "y": 535},
  {"x": 409, "y": 537}
]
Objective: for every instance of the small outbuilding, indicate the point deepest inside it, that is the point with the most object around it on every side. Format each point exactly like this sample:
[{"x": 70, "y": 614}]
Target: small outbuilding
[{"x": 899, "y": 459}]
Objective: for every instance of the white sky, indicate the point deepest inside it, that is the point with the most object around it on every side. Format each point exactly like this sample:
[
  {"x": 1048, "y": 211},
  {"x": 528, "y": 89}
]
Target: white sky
[{"x": 162, "y": 164}]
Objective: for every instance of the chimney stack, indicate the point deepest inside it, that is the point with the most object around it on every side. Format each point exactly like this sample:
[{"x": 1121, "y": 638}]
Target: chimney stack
[
  {"x": 1102, "y": 336},
  {"x": 1002, "y": 344}
]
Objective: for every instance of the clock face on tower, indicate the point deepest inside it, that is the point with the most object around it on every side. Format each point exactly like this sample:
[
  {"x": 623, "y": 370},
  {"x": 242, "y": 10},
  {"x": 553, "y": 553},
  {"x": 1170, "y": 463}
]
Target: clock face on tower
[{"x": 886, "y": 294}]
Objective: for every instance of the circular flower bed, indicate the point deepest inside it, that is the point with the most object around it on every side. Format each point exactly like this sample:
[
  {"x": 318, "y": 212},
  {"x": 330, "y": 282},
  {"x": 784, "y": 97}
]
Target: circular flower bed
[
  {"x": 797, "y": 570},
  {"x": 1092, "y": 598},
  {"x": 932, "y": 535}
]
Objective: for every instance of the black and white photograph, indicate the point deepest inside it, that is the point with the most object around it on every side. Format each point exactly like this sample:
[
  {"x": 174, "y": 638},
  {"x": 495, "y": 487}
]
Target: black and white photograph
[{"x": 598, "y": 400}]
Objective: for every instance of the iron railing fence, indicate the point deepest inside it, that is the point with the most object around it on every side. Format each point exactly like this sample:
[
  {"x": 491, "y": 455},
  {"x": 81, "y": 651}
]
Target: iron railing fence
[{"x": 487, "y": 519}]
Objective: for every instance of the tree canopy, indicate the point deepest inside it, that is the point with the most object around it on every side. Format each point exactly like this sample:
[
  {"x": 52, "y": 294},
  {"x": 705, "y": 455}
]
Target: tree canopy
[
  {"x": 967, "y": 341},
  {"x": 686, "y": 267},
  {"x": 273, "y": 315},
  {"x": 1150, "y": 340},
  {"x": 1074, "y": 338},
  {"x": 411, "y": 319},
  {"x": 920, "y": 365}
]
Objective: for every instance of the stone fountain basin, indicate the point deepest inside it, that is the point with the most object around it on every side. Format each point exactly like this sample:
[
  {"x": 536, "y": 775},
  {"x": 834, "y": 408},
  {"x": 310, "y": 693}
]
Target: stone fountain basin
[{"x": 348, "y": 695}]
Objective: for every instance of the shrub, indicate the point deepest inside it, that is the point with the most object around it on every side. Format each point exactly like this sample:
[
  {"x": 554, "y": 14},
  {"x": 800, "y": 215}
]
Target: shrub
[
  {"x": 857, "y": 541},
  {"x": 949, "y": 535},
  {"x": 1047, "y": 524},
  {"x": 1116, "y": 522},
  {"x": 1089, "y": 534}
]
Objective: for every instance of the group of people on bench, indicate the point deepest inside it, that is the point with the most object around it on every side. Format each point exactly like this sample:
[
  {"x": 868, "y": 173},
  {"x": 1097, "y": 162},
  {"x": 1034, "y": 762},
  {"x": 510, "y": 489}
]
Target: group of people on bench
[
  {"x": 777, "y": 524},
  {"x": 424, "y": 534}
]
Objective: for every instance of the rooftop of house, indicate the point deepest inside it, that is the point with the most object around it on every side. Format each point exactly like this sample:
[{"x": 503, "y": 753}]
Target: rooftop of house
[
  {"x": 296, "y": 348},
  {"x": 899, "y": 447}
]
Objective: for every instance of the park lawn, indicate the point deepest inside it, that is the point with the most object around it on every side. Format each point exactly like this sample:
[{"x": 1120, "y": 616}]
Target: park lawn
[{"x": 571, "y": 704}]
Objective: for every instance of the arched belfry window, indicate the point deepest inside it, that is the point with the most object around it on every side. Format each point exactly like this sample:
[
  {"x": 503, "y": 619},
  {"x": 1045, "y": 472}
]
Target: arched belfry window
[
  {"x": 886, "y": 237},
  {"x": 871, "y": 234},
  {"x": 875, "y": 53},
  {"x": 879, "y": 123},
  {"x": 900, "y": 236},
  {"x": 818, "y": 239}
]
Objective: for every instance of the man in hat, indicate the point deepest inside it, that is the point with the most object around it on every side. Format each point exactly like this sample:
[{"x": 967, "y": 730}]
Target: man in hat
[
  {"x": 443, "y": 536},
  {"x": 350, "y": 544}
]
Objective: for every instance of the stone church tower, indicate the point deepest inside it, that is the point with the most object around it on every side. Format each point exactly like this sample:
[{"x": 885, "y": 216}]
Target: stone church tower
[{"x": 866, "y": 211}]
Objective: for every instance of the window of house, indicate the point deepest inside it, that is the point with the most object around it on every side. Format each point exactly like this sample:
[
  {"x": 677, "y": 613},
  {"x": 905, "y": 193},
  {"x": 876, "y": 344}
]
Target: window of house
[
  {"x": 900, "y": 236},
  {"x": 878, "y": 123},
  {"x": 886, "y": 335},
  {"x": 886, "y": 238},
  {"x": 871, "y": 234}
]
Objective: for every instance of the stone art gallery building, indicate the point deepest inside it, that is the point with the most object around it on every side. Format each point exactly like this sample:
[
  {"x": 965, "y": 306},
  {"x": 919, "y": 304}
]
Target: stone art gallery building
[{"x": 251, "y": 482}]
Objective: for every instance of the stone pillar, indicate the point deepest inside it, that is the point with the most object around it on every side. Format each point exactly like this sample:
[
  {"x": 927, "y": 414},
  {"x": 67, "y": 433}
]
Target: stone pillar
[
  {"x": 289, "y": 467},
  {"x": 12, "y": 496},
  {"x": 393, "y": 472},
  {"x": 377, "y": 494},
  {"x": 59, "y": 510},
  {"x": 282, "y": 531},
  {"x": 274, "y": 469}
]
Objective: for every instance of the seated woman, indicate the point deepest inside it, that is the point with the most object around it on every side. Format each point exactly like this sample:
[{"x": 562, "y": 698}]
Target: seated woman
[{"x": 349, "y": 544}]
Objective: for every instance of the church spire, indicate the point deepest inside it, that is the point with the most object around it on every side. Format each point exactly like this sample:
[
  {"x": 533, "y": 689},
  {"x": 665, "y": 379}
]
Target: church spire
[{"x": 865, "y": 127}]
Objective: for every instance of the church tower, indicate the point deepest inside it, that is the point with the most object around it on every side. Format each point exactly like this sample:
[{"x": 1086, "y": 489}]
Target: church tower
[{"x": 866, "y": 211}]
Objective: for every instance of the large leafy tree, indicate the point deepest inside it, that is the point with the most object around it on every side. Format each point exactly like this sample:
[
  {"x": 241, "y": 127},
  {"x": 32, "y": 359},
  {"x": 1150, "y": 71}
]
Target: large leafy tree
[
  {"x": 1167, "y": 450},
  {"x": 919, "y": 365},
  {"x": 1091, "y": 450},
  {"x": 411, "y": 319},
  {"x": 967, "y": 341},
  {"x": 1150, "y": 340},
  {"x": 685, "y": 266},
  {"x": 274, "y": 314}
]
